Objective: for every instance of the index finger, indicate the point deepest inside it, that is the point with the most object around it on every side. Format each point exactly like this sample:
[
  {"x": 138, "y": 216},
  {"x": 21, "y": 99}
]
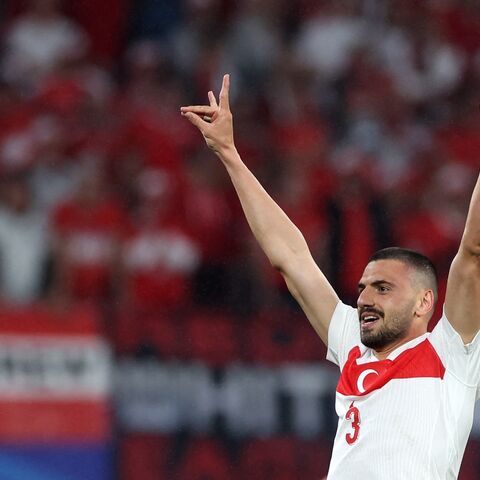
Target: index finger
[{"x": 224, "y": 102}]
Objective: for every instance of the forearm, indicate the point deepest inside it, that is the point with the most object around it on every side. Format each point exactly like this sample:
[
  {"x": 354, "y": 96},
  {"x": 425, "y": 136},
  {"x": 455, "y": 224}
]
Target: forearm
[
  {"x": 462, "y": 299},
  {"x": 280, "y": 239},
  {"x": 471, "y": 236},
  {"x": 277, "y": 235}
]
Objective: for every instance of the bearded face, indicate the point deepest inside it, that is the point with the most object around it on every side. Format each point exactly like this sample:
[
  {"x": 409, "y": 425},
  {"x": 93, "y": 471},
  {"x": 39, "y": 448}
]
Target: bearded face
[
  {"x": 386, "y": 303},
  {"x": 382, "y": 327}
]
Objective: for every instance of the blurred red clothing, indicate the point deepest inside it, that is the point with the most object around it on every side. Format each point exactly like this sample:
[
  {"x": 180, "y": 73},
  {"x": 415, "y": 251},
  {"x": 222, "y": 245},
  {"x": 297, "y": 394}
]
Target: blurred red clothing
[
  {"x": 209, "y": 214},
  {"x": 358, "y": 244},
  {"x": 425, "y": 232},
  {"x": 211, "y": 337},
  {"x": 461, "y": 144},
  {"x": 158, "y": 261},
  {"x": 89, "y": 240},
  {"x": 205, "y": 459},
  {"x": 105, "y": 23},
  {"x": 144, "y": 456},
  {"x": 460, "y": 23},
  {"x": 273, "y": 458}
]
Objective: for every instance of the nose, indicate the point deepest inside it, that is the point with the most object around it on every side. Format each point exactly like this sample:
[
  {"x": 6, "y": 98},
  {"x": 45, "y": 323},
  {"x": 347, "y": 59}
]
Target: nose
[{"x": 365, "y": 298}]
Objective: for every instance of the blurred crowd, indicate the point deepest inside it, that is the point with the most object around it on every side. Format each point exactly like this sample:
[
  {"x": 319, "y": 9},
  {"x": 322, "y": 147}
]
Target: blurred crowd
[{"x": 360, "y": 117}]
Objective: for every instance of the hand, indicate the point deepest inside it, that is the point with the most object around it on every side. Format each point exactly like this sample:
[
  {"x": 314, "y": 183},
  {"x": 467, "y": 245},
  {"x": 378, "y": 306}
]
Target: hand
[{"x": 215, "y": 121}]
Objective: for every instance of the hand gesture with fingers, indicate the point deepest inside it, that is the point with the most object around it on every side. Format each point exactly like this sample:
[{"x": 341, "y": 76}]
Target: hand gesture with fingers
[{"x": 215, "y": 120}]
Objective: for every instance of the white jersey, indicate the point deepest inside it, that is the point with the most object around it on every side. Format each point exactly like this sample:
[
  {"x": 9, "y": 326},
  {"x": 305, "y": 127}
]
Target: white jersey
[{"x": 408, "y": 416}]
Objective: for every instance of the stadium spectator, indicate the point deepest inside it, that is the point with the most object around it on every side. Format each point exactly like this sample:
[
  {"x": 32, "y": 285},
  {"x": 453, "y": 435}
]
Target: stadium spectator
[
  {"x": 55, "y": 174},
  {"x": 88, "y": 229},
  {"x": 329, "y": 36},
  {"x": 254, "y": 42},
  {"x": 24, "y": 242},
  {"x": 159, "y": 255},
  {"x": 38, "y": 42},
  {"x": 423, "y": 64}
]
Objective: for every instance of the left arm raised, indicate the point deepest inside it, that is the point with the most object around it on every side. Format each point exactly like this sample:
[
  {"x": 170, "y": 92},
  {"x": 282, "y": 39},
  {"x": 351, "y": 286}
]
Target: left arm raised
[{"x": 462, "y": 302}]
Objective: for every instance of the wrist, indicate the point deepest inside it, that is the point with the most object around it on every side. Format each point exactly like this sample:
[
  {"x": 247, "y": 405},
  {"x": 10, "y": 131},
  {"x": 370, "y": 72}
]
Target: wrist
[{"x": 228, "y": 154}]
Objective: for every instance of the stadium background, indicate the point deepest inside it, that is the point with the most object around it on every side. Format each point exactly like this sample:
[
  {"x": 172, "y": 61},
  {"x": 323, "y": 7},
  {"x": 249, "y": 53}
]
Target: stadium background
[{"x": 142, "y": 333}]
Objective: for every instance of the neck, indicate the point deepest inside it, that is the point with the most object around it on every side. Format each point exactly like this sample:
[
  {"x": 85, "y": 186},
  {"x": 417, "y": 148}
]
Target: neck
[{"x": 384, "y": 352}]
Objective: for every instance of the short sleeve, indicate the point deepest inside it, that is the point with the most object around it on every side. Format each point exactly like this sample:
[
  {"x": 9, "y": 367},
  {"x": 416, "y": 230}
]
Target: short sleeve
[
  {"x": 343, "y": 334},
  {"x": 460, "y": 359}
]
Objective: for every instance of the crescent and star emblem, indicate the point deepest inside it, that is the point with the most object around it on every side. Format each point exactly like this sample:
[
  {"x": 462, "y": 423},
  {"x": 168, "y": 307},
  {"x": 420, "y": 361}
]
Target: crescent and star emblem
[{"x": 361, "y": 379}]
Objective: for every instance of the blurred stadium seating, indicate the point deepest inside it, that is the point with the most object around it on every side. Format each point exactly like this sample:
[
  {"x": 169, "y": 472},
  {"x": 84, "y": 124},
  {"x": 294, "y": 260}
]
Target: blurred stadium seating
[{"x": 142, "y": 333}]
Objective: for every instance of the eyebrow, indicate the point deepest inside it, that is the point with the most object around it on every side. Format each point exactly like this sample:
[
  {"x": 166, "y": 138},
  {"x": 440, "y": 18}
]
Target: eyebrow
[{"x": 376, "y": 283}]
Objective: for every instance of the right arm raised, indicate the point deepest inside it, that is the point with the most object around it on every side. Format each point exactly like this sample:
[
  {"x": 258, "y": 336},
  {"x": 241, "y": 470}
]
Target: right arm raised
[{"x": 279, "y": 238}]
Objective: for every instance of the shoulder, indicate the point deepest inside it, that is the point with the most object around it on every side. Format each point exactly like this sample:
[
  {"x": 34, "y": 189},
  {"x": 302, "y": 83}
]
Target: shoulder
[
  {"x": 462, "y": 300},
  {"x": 344, "y": 317},
  {"x": 446, "y": 335},
  {"x": 343, "y": 333},
  {"x": 461, "y": 359}
]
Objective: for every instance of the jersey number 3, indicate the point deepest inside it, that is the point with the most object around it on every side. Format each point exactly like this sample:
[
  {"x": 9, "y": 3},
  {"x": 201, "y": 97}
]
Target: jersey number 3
[{"x": 353, "y": 415}]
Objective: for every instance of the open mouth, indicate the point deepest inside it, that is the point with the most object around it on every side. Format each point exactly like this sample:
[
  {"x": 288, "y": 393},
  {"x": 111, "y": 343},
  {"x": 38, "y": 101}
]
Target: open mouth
[{"x": 368, "y": 320}]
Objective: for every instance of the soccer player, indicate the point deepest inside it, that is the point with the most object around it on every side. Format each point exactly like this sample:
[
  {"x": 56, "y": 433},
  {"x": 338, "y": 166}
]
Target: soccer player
[{"x": 405, "y": 397}]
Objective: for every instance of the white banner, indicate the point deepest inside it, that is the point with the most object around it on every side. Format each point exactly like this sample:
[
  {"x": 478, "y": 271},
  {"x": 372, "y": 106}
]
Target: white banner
[
  {"x": 54, "y": 367},
  {"x": 248, "y": 400}
]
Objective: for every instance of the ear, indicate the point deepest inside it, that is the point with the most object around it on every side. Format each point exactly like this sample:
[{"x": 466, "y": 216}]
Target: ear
[{"x": 425, "y": 304}]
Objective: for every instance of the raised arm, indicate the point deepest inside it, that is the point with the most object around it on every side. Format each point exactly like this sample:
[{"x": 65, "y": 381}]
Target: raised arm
[
  {"x": 280, "y": 239},
  {"x": 462, "y": 303}
]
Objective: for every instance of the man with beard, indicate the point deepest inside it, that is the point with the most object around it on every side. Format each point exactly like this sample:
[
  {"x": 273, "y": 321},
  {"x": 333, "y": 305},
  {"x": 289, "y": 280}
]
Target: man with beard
[{"x": 405, "y": 397}]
